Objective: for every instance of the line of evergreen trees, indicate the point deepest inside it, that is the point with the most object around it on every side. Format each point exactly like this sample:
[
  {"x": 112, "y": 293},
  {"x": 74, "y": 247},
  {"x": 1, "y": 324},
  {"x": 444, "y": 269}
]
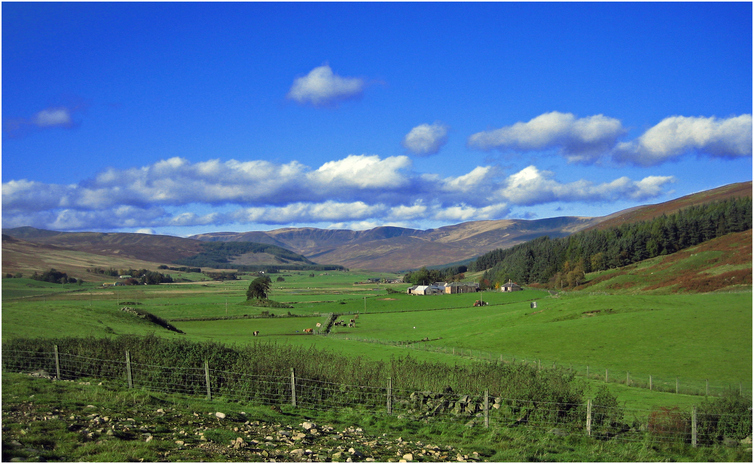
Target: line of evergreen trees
[
  {"x": 426, "y": 276},
  {"x": 563, "y": 262},
  {"x": 55, "y": 277}
]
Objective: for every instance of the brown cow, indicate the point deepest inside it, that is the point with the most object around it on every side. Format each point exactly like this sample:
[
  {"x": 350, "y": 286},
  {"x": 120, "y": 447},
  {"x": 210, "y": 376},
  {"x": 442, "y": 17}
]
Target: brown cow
[{"x": 308, "y": 331}]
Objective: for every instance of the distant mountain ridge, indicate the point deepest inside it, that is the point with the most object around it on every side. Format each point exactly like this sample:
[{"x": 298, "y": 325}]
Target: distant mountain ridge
[
  {"x": 379, "y": 249},
  {"x": 399, "y": 249}
]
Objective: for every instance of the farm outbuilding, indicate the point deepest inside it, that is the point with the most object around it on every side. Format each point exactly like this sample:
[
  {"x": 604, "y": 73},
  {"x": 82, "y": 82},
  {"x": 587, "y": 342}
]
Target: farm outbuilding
[
  {"x": 461, "y": 287},
  {"x": 442, "y": 288},
  {"x": 418, "y": 290},
  {"x": 510, "y": 287}
]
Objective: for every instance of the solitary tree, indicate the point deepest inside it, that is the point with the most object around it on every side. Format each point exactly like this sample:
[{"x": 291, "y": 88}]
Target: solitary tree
[{"x": 258, "y": 288}]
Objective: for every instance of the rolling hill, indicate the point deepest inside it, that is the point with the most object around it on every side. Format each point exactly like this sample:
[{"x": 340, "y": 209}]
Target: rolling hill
[
  {"x": 646, "y": 213},
  {"x": 398, "y": 249},
  {"x": 380, "y": 249}
]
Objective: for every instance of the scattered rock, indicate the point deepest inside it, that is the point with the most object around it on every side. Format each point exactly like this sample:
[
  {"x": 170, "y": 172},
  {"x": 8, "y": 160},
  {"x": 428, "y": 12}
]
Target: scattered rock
[
  {"x": 220, "y": 415},
  {"x": 730, "y": 442}
]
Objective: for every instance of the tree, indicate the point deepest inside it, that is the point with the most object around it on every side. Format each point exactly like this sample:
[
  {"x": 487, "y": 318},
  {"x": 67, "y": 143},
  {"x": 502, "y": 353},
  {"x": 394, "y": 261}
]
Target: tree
[{"x": 258, "y": 288}]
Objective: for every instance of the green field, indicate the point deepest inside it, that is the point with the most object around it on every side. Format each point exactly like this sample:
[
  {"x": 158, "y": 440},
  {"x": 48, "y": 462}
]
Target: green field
[{"x": 697, "y": 340}]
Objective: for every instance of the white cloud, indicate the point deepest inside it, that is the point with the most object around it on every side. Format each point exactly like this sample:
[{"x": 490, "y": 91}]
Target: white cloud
[
  {"x": 465, "y": 212},
  {"x": 53, "y": 117},
  {"x": 48, "y": 118},
  {"x": 678, "y": 135},
  {"x": 322, "y": 87},
  {"x": 408, "y": 212},
  {"x": 530, "y": 186},
  {"x": 426, "y": 139},
  {"x": 355, "y": 189},
  {"x": 580, "y": 140},
  {"x": 361, "y": 171},
  {"x": 468, "y": 182}
]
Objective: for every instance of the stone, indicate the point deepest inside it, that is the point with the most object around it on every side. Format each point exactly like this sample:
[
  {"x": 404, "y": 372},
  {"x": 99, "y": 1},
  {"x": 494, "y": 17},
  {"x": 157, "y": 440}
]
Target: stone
[
  {"x": 220, "y": 415},
  {"x": 308, "y": 425},
  {"x": 408, "y": 457},
  {"x": 730, "y": 442}
]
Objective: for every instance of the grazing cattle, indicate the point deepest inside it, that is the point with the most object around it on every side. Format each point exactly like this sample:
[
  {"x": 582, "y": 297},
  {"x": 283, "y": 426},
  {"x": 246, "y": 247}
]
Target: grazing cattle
[
  {"x": 352, "y": 324},
  {"x": 308, "y": 331},
  {"x": 352, "y": 321},
  {"x": 319, "y": 324},
  {"x": 256, "y": 333}
]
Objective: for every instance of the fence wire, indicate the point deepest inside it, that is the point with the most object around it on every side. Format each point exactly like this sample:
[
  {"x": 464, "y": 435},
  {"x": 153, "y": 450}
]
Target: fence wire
[{"x": 663, "y": 425}]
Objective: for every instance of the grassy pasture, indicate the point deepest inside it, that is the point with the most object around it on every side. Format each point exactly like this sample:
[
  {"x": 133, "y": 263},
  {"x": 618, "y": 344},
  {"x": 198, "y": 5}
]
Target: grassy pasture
[{"x": 690, "y": 336}]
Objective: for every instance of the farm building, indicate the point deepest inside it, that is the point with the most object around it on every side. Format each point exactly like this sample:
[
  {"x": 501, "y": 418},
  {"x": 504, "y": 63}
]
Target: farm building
[
  {"x": 461, "y": 287},
  {"x": 510, "y": 287},
  {"x": 418, "y": 290},
  {"x": 442, "y": 288}
]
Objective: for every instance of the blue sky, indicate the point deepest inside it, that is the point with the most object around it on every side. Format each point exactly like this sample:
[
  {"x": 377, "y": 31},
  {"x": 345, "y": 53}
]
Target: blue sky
[{"x": 183, "y": 118}]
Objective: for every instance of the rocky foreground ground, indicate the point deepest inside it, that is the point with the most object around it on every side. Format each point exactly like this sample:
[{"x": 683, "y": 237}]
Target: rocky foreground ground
[{"x": 176, "y": 435}]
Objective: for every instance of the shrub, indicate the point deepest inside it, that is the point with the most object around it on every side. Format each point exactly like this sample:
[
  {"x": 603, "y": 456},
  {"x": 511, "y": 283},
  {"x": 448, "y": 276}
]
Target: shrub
[
  {"x": 669, "y": 424},
  {"x": 726, "y": 417},
  {"x": 607, "y": 414}
]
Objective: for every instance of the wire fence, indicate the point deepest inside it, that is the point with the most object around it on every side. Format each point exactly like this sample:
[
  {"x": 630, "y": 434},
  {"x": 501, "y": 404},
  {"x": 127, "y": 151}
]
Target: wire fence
[
  {"x": 601, "y": 421},
  {"x": 594, "y": 372}
]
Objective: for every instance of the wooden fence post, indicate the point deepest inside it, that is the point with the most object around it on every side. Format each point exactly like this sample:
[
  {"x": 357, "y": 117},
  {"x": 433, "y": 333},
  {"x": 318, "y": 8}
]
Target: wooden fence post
[
  {"x": 628, "y": 378},
  {"x": 206, "y": 379},
  {"x": 486, "y": 409},
  {"x": 293, "y": 387},
  {"x": 128, "y": 370},
  {"x": 587, "y": 372},
  {"x": 589, "y": 417},
  {"x": 650, "y": 382},
  {"x": 57, "y": 361},
  {"x": 693, "y": 426},
  {"x": 676, "y": 385},
  {"x": 605, "y": 375},
  {"x": 389, "y": 395}
]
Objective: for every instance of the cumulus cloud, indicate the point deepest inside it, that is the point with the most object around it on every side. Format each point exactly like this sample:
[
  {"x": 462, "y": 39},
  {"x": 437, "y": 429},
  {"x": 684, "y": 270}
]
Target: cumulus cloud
[
  {"x": 531, "y": 186},
  {"x": 362, "y": 171},
  {"x": 678, "y": 135},
  {"x": 53, "y": 117},
  {"x": 426, "y": 139},
  {"x": 322, "y": 87},
  {"x": 465, "y": 212},
  {"x": 581, "y": 140},
  {"x": 592, "y": 139},
  {"x": 356, "y": 189},
  {"x": 48, "y": 118}
]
